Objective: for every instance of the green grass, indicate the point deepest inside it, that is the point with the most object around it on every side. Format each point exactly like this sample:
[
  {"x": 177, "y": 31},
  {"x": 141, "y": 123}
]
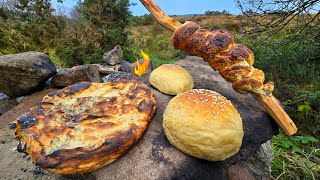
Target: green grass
[
  {"x": 153, "y": 40},
  {"x": 296, "y": 157}
]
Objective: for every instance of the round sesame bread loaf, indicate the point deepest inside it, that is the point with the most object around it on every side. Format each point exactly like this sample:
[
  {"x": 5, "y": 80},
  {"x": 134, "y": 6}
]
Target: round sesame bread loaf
[
  {"x": 203, "y": 124},
  {"x": 171, "y": 79}
]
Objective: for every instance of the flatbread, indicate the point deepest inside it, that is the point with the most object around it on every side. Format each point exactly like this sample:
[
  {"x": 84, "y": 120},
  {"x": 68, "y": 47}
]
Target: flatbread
[{"x": 85, "y": 126}]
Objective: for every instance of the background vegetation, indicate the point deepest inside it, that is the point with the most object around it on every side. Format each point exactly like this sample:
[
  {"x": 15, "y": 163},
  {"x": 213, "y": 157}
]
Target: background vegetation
[{"x": 290, "y": 57}]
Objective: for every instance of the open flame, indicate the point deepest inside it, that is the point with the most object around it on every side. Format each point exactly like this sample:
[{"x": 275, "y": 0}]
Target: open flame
[{"x": 142, "y": 68}]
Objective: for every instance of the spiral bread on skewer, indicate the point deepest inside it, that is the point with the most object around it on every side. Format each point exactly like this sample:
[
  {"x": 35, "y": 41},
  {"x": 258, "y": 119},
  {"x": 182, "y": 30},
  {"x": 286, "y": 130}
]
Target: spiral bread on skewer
[{"x": 233, "y": 61}]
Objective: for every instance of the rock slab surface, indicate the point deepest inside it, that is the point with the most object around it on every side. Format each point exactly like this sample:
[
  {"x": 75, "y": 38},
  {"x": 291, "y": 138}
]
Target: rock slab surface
[
  {"x": 67, "y": 77},
  {"x": 114, "y": 56},
  {"x": 21, "y": 74},
  {"x": 153, "y": 157}
]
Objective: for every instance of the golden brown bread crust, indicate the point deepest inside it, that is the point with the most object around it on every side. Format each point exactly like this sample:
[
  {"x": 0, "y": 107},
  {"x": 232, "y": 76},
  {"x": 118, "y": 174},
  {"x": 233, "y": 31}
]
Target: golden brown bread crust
[
  {"x": 85, "y": 126},
  {"x": 203, "y": 124},
  {"x": 171, "y": 79},
  {"x": 233, "y": 61}
]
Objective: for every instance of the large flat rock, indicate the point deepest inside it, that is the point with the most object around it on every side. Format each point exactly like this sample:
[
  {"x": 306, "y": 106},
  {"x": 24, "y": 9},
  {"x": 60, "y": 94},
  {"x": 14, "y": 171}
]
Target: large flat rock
[
  {"x": 23, "y": 73},
  {"x": 153, "y": 157}
]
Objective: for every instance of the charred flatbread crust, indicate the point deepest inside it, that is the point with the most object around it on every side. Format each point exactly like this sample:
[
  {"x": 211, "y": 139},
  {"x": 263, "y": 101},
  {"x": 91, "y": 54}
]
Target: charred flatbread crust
[{"x": 85, "y": 126}]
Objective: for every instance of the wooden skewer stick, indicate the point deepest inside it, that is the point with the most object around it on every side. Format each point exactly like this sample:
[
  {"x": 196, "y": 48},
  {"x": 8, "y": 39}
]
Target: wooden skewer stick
[{"x": 268, "y": 102}]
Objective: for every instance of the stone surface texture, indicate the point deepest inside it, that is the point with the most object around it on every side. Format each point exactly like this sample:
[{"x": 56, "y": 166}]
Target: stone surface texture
[
  {"x": 3, "y": 96},
  {"x": 7, "y": 104},
  {"x": 107, "y": 69},
  {"x": 124, "y": 66},
  {"x": 24, "y": 73},
  {"x": 88, "y": 72},
  {"x": 153, "y": 157},
  {"x": 114, "y": 56}
]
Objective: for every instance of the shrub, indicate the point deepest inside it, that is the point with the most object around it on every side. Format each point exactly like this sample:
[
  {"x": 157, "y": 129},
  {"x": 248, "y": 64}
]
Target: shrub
[{"x": 80, "y": 54}]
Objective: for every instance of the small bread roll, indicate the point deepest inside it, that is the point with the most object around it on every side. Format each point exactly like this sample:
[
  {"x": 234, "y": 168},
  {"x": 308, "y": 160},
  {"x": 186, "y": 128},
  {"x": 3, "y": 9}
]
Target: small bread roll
[
  {"x": 171, "y": 79},
  {"x": 203, "y": 124}
]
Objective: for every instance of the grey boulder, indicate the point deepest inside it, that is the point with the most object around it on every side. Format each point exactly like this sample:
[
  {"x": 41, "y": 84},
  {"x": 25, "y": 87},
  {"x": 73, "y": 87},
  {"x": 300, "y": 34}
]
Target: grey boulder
[
  {"x": 125, "y": 66},
  {"x": 7, "y": 104},
  {"x": 3, "y": 97},
  {"x": 114, "y": 56},
  {"x": 88, "y": 72},
  {"x": 21, "y": 74},
  {"x": 107, "y": 69}
]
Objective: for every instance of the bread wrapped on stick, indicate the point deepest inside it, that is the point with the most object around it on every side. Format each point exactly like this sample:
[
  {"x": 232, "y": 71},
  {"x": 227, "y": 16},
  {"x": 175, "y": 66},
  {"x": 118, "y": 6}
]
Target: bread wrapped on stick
[{"x": 233, "y": 61}]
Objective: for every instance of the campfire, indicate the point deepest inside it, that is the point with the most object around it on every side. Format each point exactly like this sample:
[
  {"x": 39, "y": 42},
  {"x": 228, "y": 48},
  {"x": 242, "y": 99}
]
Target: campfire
[{"x": 141, "y": 68}]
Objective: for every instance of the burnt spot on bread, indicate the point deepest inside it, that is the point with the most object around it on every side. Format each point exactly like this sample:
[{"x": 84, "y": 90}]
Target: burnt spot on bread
[
  {"x": 184, "y": 32},
  {"x": 71, "y": 89},
  {"x": 56, "y": 93},
  {"x": 114, "y": 146},
  {"x": 21, "y": 147},
  {"x": 70, "y": 119},
  {"x": 112, "y": 99},
  {"x": 25, "y": 121},
  {"x": 221, "y": 40},
  {"x": 145, "y": 106},
  {"x": 77, "y": 87},
  {"x": 239, "y": 52}
]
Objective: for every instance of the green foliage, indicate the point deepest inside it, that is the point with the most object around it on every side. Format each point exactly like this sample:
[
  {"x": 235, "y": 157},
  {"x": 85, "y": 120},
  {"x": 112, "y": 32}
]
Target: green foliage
[
  {"x": 108, "y": 19},
  {"x": 13, "y": 39},
  {"x": 304, "y": 108},
  {"x": 80, "y": 54},
  {"x": 31, "y": 28},
  {"x": 155, "y": 42},
  {"x": 99, "y": 27},
  {"x": 144, "y": 20},
  {"x": 296, "y": 157}
]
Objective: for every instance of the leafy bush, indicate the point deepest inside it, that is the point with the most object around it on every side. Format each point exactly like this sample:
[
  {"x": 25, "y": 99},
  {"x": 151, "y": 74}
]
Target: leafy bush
[
  {"x": 296, "y": 157},
  {"x": 144, "y": 20},
  {"x": 155, "y": 41},
  {"x": 79, "y": 53}
]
